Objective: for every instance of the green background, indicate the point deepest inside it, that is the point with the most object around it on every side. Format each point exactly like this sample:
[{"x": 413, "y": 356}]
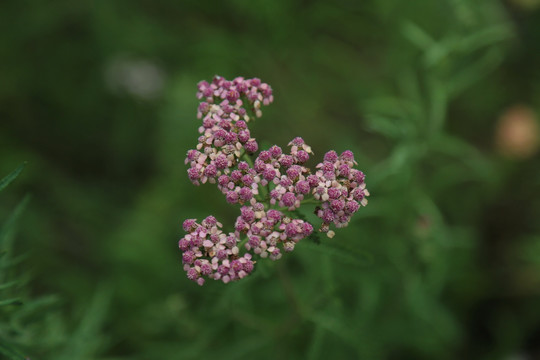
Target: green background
[{"x": 98, "y": 98}]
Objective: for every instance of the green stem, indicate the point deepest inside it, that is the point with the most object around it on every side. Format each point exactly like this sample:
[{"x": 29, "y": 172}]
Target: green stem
[
  {"x": 265, "y": 190},
  {"x": 306, "y": 201},
  {"x": 262, "y": 196},
  {"x": 310, "y": 201},
  {"x": 247, "y": 159},
  {"x": 248, "y": 105},
  {"x": 242, "y": 243}
]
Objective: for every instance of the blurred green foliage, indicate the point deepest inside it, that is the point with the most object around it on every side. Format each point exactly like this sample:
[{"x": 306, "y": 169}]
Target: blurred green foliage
[{"x": 99, "y": 99}]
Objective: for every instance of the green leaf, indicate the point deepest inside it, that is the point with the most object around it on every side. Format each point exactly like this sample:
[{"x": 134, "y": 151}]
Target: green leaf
[
  {"x": 14, "y": 301},
  {"x": 316, "y": 345},
  {"x": 10, "y": 352},
  {"x": 385, "y": 126},
  {"x": 417, "y": 36},
  {"x": 488, "y": 62},
  {"x": 35, "y": 306},
  {"x": 335, "y": 325},
  {"x": 8, "y": 229},
  {"x": 9, "y": 284},
  {"x": 438, "y": 53},
  {"x": 86, "y": 341},
  {"x": 438, "y": 105},
  {"x": 485, "y": 37},
  {"x": 11, "y": 176},
  {"x": 8, "y": 262}
]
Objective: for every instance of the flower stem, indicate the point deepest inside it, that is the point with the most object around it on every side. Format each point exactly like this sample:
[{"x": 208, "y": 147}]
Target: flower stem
[
  {"x": 242, "y": 243},
  {"x": 262, "y": 195},
  {"x": 247, "y": 159},
  {"x": 311, "y": 201}
]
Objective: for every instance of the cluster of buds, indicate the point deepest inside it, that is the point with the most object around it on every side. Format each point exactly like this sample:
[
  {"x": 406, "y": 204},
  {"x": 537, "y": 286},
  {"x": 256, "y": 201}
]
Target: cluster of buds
[
  {"x": 340, "y": 188},
  {"x": 241, "y": 185},
  {"x": 210, "y": 253},
  {"x": 269, "y": 187},
  {"x": 286, "y": 172},
  {"x": 268, "y": 232},
  {"x": 224, "y": 132}
]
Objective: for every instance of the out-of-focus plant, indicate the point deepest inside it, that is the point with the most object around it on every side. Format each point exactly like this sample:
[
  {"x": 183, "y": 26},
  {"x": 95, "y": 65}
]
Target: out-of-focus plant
[
  {"x": 9, "y": 280},
  {"x": 430, "y": 186},
  {"x": 33, "y": 325}
]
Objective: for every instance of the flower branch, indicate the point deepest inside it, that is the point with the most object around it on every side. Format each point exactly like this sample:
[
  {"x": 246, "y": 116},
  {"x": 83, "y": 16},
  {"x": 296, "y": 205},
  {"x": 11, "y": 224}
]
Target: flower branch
[{"x": 270, "y": 188}]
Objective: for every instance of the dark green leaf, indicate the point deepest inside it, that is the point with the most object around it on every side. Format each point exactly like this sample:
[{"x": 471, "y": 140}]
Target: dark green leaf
[
  {"x": 11, "y": 176},
  {"x": 10, "y": 352},
  {"x": 15, "y": 301}
]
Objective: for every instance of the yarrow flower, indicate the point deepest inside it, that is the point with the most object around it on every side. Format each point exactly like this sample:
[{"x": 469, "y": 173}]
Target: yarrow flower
[
  {"x": 340, "y": 188},
  {"x": 224, "y": 133},
  {"x": 269, "y": 187}
]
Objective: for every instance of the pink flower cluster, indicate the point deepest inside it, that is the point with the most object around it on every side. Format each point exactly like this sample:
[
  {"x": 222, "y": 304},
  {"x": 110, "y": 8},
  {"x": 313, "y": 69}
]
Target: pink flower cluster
[
  {"x": 340, "y": 188},
  {"x": 286, "y": 172},
  {"x": 224, "y": 133},
  {"x": 240, "y": 185},
  {"x": 210, "y": 253},
  {"x": 268, "y": 232},
  {"x": 267, "y": 187}
]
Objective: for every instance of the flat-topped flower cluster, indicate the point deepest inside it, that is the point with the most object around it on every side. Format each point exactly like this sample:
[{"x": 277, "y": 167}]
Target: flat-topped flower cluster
[{"x": 268, "y": 187}]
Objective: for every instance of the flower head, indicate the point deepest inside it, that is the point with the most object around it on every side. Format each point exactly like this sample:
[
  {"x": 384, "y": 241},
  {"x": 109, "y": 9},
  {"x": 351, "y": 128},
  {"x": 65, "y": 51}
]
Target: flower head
[{"x": 268, "y": 187}]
